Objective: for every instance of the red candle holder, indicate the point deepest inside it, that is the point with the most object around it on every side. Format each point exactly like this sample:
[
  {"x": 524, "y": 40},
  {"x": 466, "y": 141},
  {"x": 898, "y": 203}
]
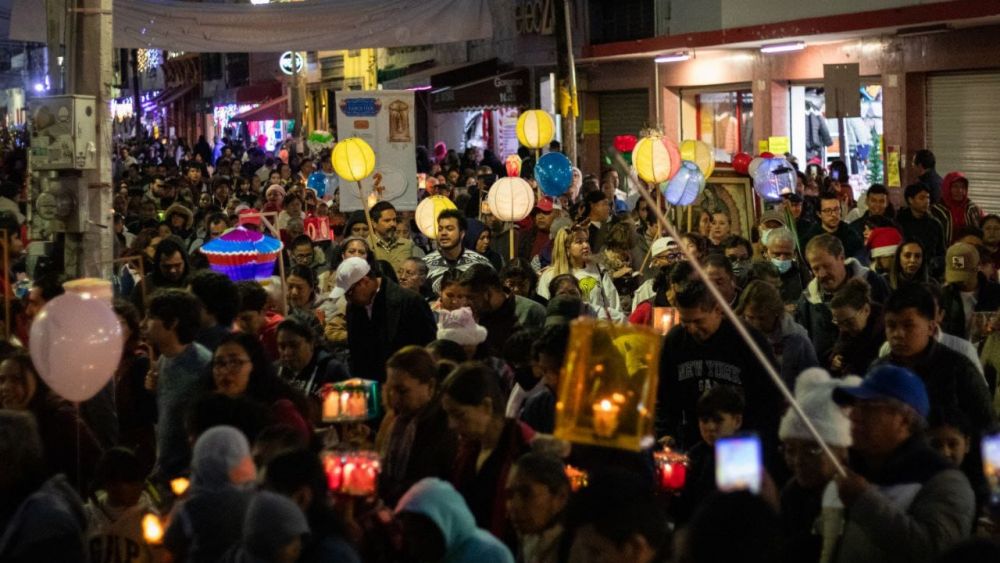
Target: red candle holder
[
  {"x": 352, "y": 473},
  {"x": 578, "y": 478},
  {"x": 671, "y": 470}
]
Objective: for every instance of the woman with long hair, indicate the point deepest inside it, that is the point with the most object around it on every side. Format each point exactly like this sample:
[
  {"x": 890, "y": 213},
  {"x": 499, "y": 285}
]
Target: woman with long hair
[
  {"x": 909, "y": 266},
  {"x": 571, "y": 255}
]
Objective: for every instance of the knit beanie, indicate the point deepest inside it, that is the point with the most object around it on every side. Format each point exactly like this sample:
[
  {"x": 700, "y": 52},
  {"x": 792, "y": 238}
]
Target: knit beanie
[
  {"x": 814, "y": 393},
  {"x": 883, "y": 241},
  {"x": 272, "y": 522},
  {"x": 460, "y": 327}
]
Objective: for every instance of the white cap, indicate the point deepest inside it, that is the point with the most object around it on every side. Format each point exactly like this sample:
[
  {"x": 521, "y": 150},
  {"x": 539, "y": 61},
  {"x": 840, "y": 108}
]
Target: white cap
[
  {"x": 460, "y": 326},
  {"x": 814, "y": 392},
  {"x": 661, "y": 245},
  {"x": 349, "y": 273}
]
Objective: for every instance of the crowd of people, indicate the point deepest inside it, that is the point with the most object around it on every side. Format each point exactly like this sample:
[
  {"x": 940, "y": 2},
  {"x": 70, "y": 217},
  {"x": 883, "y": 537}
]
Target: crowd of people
[{"x": 881, "y": 320}]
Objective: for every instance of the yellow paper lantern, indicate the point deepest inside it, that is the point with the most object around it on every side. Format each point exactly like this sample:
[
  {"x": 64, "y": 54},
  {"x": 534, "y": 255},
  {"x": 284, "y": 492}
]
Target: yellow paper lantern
[
  {"x": 511, "y": 199},
  {"x": 700, "y": 153},
  {"x": 353, "y": 159},
  {"x": 607, "y": 389},
  {"x": 656, "y": 159},
  {"x": 427, "y": 214},
  {"x": 535, "y": 128}
]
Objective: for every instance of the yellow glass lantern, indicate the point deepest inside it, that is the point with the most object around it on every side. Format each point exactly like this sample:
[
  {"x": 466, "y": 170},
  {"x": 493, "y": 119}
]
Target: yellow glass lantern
[
  {"x": 664, "y": 319},
  {"x": 656, "y": 159},
  {"x": 607, "y": 389},
  {"x": 700, "y": 153},
  {"x": 427, "y": 213},
  {"x": 353, "y": 159},
  {"x": 535, "y": 128},
  {"x": 511, "y": 199}
]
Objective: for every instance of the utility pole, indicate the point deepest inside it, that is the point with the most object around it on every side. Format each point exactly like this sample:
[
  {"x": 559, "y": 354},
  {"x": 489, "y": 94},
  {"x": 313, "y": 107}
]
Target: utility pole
[
  {"x": 136, "y": 95},
  {"x": 89, "y": 57},
  {"x": 566, "y": 73}
]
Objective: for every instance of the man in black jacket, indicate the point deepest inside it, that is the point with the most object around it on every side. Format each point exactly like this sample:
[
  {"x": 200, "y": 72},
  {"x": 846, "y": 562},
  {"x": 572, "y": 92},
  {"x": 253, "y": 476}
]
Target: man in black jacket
[
  {"x": 918, "y": 222},
  {"x": 377, "y": 309},
  {"x": 704, "y": 351},
  {"x": 966, "y": 290}
]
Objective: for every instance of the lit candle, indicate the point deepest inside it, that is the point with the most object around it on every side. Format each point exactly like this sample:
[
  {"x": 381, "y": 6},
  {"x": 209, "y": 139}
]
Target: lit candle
[
  {"x": 331, "y": 406},
  {"x": 152, "y": 529},
  {"x": 179, "y": 485},
  {"x": 671, "y": 468},
  {"x": 606, "y": 418},
  {"x": 664, "y": 318},
  {"x": 357, "y": 405}
]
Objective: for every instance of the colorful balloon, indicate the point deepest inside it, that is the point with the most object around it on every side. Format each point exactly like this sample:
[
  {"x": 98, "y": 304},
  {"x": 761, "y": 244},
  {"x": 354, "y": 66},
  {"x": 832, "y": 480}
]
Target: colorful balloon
[
  {"x": 700, "y": 153},
  {"x": 767, "y": 154},
  {"x": 625, "y": 143},
  {"x": 76, "y": 344},
  {"x": 773, "y": 177},
  {"x": 353, "y": 159},
  {"x": 554, "y": 174},
  {"x": 656, "y": 159},
  {"x": 317, "y": 181},
  {"x": 686, "y": 185},
  {"x": 741, "y": 162}
]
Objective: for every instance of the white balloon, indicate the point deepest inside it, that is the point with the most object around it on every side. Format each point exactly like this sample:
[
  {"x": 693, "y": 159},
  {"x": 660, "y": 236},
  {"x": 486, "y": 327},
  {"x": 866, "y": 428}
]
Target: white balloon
[{"x": 76, "y": 344}]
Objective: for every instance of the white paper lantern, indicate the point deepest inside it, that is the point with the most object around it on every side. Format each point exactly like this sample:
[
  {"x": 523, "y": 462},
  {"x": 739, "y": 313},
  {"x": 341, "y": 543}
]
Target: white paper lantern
[
  {"x": 427, "y": 214},
  {"x": 511, "y": 199}
]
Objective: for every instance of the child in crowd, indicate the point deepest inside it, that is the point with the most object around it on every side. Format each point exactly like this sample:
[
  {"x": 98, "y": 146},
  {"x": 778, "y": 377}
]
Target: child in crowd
[{"x": 116, "y": 509}]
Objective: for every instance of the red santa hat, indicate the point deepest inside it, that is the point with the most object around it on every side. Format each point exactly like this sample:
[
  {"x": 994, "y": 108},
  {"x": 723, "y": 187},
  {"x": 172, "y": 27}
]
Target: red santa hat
[{"x": 883, "y": 241}]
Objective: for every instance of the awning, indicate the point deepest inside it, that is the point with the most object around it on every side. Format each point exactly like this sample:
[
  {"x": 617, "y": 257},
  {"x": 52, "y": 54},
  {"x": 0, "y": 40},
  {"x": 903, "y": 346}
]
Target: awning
[
  {"x": 269, "y": 111},
  {"x": 258, "y": 93},
  {"x": 510, "y": 89},
  {"x": 167, "y": 96},
  {"x": 438, "y": 76}
]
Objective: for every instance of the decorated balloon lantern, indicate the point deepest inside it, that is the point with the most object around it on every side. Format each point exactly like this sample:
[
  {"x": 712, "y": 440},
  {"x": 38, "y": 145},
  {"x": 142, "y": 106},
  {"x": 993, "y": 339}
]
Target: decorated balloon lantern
[
  {"x": 513, "y": 165},
  {"x": 352, "y": 473},
  {"x": 656, "y": 159},
  {"x": 353, "y": 159},
  {"x": 317, "y": 181},
  {"x": 554, "y": 174},
  {"x": 91, "y": 288},
  {"x": 535, "y": 128},
  {"x": 774, "y": 177},
  {"x": 242, "y": 255},
  {"x": 76, "y": 343},
  {"x": 754, "y": 165},
  {"x": 353, "y": 400},
  {"x": 427, "y": 214},
  {"x": 607, "y": 389},
  {"x": 511, "y": 199},
  {"x": 686, "y": 185},
  {"x": 741, "y": 162},
  {"x": 700, "y": 153}
]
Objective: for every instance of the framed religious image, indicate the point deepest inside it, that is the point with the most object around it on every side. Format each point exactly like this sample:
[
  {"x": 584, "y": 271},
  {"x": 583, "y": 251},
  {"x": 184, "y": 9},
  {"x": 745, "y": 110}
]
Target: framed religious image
[{"x": 727, "y": 198}]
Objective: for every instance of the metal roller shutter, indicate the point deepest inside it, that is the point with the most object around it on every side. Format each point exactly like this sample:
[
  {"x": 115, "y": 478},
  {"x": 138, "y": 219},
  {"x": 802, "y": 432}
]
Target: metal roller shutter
[
  {"x": 622, "y": 113},
  {"x": 963, "y": 130}
]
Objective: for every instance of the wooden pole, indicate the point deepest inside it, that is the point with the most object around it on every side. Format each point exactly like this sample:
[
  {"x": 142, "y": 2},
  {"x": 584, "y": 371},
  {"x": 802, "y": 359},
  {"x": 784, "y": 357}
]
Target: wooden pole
[
  {"x": 511, "y": 241},
  {"x": 368, "y": 217}
]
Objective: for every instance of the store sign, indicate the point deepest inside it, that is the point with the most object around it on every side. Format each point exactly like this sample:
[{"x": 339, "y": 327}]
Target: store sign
[
  {"x": 535, "y": 17},
  {"x": 506, "y": 90},
  {"x": 360, "y": 107},
  {"x": 285, "y": 62}
]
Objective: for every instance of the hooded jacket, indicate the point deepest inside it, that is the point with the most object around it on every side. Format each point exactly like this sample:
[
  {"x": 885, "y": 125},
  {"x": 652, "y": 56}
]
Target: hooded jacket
[
  {"x": 464, "y": 542},
  {"x": 813, "y": 309},
  {"x": 792, "y": 348},
  {"x": 47, "y": 526},
  {"x": 953, "y": 215}
]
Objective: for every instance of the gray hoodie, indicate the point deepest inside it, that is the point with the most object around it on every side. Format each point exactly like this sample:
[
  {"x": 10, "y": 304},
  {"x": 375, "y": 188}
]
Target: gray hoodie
[{"x": 792, "y": 348}]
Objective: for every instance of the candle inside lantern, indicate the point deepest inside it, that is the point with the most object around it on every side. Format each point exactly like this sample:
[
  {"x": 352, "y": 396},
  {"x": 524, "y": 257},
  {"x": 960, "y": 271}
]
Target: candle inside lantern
[
  {"x": 664, "y": 318},
  {"x": 179, "y": 485},
  {"x": 353, "y": 473},
  {"x": 357, "y": 405},
  {"x": 671, "y": 468},
  {"x": 152, "y": 529},
  {"x": 606, "y": 418}
]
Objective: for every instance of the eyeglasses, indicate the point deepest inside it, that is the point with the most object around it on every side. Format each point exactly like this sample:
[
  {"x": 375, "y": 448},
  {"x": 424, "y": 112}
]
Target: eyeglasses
[
  {"x": 838, "y": 322},
  {"x": 830, "y": 210},
  {"x": 230, "y": 363}
]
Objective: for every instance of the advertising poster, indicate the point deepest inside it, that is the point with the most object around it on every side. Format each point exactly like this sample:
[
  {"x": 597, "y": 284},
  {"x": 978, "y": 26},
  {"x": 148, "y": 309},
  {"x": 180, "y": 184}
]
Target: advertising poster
[{"x": 386, "y": 120}]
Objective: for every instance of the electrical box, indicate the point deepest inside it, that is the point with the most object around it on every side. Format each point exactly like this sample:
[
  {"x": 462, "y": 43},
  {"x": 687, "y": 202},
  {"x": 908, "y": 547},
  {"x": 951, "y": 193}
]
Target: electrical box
[
  {"x": 59, "y": 203},
  {"x": 63, "y": 133}
]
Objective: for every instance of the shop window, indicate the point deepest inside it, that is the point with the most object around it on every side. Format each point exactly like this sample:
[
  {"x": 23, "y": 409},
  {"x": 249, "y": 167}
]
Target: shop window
[
  {"x": 816, "y": 139},
  {"x": 724, "y": 120}
]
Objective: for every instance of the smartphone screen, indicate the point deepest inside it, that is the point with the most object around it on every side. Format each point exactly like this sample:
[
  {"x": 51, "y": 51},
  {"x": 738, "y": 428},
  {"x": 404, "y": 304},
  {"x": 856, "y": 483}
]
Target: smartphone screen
[
  {"x": 991, "y": 466},
  {"x": 738, "y": 463}
]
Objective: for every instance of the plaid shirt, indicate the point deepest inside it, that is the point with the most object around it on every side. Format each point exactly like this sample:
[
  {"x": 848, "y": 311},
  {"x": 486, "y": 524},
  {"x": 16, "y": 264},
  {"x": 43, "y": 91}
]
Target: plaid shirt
[{"x": 437, "y": 265}]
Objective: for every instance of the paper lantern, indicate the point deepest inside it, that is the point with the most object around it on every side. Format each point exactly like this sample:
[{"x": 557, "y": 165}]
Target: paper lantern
[
  {"x": 664, "y": 319},
  {"x": 242, "y": 255},
  {"x": 353, "y": 159},
  {"x": 535, "y": 128},
  {"x": 353, "y": 400},
  {"x": 685, "y": 186},
  {"x": 625, "y": 143},
  {"x": 741, "y": 162},
  {"x": 513, "y": 165},
  {"x": 700, "y": 153},
  {"x": 671, "y": 470},
  {"x": 774, "y": 177},
  {"x": 656, "y": 159},
  {"x": 511, "y": 199},
  {"x": 427, "y": 214},
  {"x": 607, "y": 389},
  {"x": 554, "y": 174},
  {"x": 352, "y": 473}
]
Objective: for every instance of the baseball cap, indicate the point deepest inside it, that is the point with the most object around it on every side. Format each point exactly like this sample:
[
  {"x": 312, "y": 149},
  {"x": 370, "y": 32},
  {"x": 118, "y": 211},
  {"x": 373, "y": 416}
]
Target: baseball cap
[
  {"x": 961, "y": 263},
  {"x": 349, "y": 273},
  {"x": 661, "y": 245},
  {"x": 544, "y": 205},
  {"x": 773, "y": 215},
  {"x": 793, "y": 197},
  {"x": 887, "y": 382}
]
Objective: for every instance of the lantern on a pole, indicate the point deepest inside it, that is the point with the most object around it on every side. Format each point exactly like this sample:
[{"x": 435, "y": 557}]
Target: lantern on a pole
[
  {"x": 354, "y": 160},
  {"x": 535, "y": 128},
  {"x": 656, "y": 159},
  {"x": 511, "y": 199},
  {"x": 700, "y": 153},
  {"x": 427, "y": 213}
]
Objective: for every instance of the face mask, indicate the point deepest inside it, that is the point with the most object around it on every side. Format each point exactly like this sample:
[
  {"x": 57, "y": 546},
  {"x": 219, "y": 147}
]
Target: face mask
[{"x": 782, "y": 265}]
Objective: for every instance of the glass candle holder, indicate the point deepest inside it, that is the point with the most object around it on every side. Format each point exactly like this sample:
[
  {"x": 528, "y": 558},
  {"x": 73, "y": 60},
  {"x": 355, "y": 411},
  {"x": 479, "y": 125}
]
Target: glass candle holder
[
  {"x": 352, "y": 473},
  {"x": 353, "y": 400}
]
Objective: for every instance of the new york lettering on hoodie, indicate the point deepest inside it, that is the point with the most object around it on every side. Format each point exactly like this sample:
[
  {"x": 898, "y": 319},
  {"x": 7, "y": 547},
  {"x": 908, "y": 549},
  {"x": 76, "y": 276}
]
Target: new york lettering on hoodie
[{"x": 688, "y": 368}]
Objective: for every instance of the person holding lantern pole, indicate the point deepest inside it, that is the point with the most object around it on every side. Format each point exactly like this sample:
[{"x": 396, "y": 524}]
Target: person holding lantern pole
[{"x": 451, "y": 254}]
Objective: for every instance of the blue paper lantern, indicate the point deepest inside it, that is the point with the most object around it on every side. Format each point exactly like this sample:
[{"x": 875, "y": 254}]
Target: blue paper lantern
[
  {"x": 554, "y": 174},
  {"x": 685, "y": 186},
  {"x": 774, "y": 177},
  {"x": 317, "y": 181}
]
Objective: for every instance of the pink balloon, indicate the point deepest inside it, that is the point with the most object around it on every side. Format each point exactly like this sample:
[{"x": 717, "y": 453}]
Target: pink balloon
[{"x": 76, "y": 344}]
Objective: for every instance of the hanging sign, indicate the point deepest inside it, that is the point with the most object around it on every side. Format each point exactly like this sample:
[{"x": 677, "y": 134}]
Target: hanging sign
[{"x": 285, "y": 62}]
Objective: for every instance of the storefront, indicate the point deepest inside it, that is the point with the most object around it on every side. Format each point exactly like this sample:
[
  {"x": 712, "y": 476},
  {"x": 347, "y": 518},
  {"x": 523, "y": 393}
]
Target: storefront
[{"x": 269, "y": 124}]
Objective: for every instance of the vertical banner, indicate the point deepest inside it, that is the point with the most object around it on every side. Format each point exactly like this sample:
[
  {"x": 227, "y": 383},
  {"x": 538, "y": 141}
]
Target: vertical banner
[
  {"x": 386, "y": 120},
  {"x": 892, "y": 167}
]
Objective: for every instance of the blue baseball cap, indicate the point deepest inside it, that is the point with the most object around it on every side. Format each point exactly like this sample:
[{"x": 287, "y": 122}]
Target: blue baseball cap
[{"x": 887, "y": 382}]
